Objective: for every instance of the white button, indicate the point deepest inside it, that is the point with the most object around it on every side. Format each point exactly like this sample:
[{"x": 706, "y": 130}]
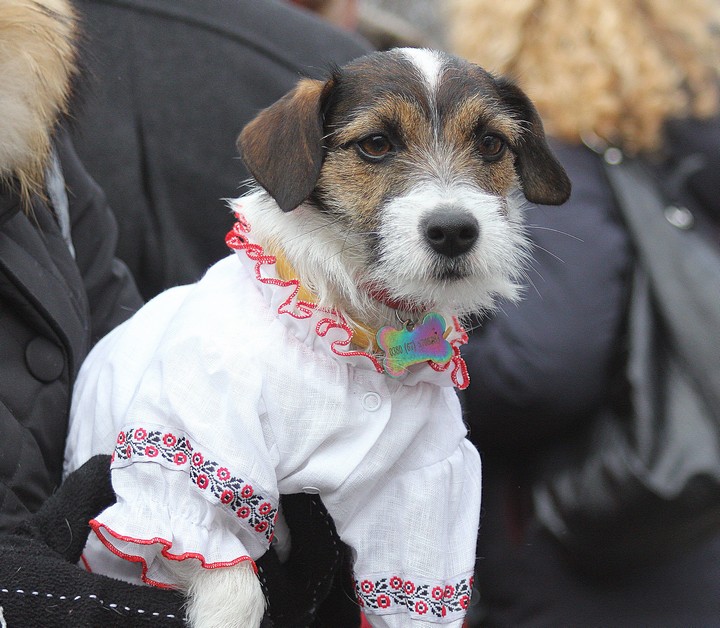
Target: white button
[
  {"x": 680, "y": 217},
  {"x": 311, "y": 490},
  {"x": 371, "y": 401}
]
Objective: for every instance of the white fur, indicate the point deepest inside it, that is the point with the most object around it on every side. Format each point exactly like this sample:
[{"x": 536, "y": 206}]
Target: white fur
[
  {"x": 335, "y": 268},
  {"x": 330, "y": 260},
  {"x": 228, "y": 597},
  {"x": 492, "y": 267},
  {"x": 429, "y": 63}
]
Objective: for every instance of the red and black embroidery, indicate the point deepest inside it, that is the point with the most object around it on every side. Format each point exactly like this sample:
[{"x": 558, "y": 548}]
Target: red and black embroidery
[
  {"x": 424, "y": 600},
  {"x": 175, "y": 451}
]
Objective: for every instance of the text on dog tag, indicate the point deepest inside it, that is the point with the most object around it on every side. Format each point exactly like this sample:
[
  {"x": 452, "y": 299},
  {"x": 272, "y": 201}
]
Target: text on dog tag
[{"x": 405, "y": 347}]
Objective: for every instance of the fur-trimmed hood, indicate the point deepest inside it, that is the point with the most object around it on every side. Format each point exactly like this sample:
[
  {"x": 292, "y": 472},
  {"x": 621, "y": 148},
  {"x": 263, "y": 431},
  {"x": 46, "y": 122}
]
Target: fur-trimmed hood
[{"x": 37, "y": 63}]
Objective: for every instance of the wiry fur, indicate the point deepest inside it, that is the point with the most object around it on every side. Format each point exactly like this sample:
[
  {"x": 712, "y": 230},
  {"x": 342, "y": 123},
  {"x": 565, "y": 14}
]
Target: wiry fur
[
  {"x": 37, "y": 63},
  {"x": 230, "y": 597},
  {"x": 353, "y": 228},
  {"x": 360, "y": 228},
  {"x": 332, "y": 261}
]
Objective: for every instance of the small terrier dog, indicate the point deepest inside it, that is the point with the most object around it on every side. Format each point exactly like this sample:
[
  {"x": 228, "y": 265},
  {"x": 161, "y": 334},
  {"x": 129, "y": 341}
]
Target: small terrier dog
[{"x": 389, "y": 204}]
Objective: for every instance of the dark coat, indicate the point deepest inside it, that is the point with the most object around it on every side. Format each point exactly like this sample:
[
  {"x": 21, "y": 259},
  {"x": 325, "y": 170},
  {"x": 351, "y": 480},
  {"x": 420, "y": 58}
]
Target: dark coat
[
  {"x": 172, "y": 84},
  {"x": 52, "y": 309},
  {"x": 539, "y": 372}
]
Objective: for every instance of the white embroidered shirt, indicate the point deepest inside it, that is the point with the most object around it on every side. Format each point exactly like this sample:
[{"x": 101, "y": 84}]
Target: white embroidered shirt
[{"x": 217, "y": 397}]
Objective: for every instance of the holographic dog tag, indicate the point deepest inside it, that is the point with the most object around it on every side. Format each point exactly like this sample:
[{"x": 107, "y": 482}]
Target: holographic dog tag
[{"x": 413, "y": 345}]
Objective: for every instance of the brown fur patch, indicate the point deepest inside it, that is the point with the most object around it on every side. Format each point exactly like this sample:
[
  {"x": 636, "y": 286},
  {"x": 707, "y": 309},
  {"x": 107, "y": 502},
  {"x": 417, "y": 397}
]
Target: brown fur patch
[
  {"x": 283, "y": 146},
  {"x": 428, "y": 145},
  {"x": 307, "y": 143}
]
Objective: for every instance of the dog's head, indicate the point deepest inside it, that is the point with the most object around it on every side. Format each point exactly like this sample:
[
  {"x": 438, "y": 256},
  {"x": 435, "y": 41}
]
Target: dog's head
[{"x": 401, "y": 178}]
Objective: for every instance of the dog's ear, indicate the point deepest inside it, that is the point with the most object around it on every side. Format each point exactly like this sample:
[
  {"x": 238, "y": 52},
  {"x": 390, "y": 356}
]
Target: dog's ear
[
  {"x": 283, "y": 146},
  {"x": 543, "y": 179}
]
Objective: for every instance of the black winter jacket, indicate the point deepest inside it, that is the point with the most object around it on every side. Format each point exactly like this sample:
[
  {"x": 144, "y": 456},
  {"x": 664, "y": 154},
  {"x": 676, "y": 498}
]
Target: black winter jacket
[
  {"x": 539, "y": 373},
  {"x": 158, "y": 125},
  {"x": 52, "y": 309}
]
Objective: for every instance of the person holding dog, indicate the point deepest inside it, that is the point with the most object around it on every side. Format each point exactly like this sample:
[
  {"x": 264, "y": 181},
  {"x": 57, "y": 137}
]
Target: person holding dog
[
  {"x": 633, "y": 80},
  {"x": 61, "y": 290}
]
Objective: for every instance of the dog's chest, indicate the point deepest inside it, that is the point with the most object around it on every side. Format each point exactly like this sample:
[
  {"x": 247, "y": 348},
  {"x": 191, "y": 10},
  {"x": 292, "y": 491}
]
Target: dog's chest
[{"x": 333, "y": 420}]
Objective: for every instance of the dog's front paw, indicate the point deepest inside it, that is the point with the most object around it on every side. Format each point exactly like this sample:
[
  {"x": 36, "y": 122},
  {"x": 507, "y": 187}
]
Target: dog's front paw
[{"x": 226, "y": 597}]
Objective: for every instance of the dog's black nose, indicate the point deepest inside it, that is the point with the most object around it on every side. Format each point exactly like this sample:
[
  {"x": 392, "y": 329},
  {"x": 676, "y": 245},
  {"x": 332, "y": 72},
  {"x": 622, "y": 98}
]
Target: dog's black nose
[{"x": 451, "y": 232}]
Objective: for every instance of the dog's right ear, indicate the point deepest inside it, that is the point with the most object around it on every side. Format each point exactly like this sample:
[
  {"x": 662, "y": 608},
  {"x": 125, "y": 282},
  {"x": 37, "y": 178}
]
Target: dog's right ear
[{"x": 283, "y": 146}]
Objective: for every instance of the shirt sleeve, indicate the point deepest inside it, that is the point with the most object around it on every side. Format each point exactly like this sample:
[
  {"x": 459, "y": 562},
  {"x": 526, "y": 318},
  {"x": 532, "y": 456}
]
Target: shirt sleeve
[
  {"x": 176, "y": 501},
  {"x": 191, "y": 468},
  {"x": 415, "y": 543}
]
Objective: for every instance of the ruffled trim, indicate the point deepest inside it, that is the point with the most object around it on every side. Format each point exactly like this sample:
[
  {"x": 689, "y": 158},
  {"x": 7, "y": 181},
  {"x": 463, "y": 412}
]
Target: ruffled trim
[
  {"x": 441, "y": 602},
  {"x": 172, "y": 449},
  {"x": 145, "y": 552},
  {"x": 138, "y": 533},
  {"x": 460, "y": 376},
  {"x": 299, "y": 309}
]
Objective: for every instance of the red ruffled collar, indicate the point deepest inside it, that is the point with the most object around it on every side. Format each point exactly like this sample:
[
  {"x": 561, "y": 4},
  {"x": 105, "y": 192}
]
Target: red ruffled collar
[{"x": 326, "y": 320}]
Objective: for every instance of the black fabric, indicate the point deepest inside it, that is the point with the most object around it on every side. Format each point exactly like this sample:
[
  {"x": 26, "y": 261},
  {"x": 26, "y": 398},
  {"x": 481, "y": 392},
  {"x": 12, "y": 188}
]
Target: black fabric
[
  {"x": 694, "y": 146},
  {"x": 314, "y": 587},
  {"x": 40, "y": 583},
  {"x": 645, "y": 478},
  {"x": 47, "y": 325},
  {"x": 159, "y": 119},
  {"x": 539, "y": 372}
]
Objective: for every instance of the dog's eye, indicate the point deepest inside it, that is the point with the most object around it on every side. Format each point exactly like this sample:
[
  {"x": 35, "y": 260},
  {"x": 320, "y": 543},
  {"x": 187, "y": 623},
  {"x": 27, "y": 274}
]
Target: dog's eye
[
  {"x": 375, "y": 147},
  {"x": 491, "y": 146}
]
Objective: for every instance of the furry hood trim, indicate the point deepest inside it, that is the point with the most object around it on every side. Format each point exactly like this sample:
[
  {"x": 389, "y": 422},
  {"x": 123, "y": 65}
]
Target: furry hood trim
[{"x": 37, "y": 64}]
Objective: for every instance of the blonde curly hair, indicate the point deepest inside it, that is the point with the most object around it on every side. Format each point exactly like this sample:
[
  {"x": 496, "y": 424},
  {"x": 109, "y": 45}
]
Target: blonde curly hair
[{"x": 614, "y": 68}]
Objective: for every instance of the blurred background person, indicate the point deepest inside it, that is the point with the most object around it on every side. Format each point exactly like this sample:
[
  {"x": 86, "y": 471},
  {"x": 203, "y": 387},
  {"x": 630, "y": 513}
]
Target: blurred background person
[
  {"x": 402, "y": 23},
  {"x": 158, "y": 120},
  {"x": 342, "y": 13},
  {"x": 640, "y": 77},
  {"x": 385, "y": 23}
]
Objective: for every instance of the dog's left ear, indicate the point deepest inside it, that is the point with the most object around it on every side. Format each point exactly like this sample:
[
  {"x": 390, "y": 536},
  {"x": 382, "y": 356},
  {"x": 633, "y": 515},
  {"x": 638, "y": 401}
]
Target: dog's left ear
[
  {"x": 544, "y": 180},
  {"x": 283, "y": 146}
]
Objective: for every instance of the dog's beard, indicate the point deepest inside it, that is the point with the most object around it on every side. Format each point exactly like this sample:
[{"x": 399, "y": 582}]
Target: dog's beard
[
  {"x": 493, "y": 269},
  {"x": 345, "y": 269}
]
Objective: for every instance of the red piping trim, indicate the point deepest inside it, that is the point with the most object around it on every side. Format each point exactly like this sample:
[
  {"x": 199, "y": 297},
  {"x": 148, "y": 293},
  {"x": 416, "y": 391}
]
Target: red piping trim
[
  {"x": 326, "y": 324},
  {"x": 97, "y": 527},
  {"x": 85, "y": 563},
  {"x": 459, "y": 376}
]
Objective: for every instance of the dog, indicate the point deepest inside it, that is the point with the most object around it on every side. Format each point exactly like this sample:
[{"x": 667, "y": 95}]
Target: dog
[{"x": 388, "y": 204}]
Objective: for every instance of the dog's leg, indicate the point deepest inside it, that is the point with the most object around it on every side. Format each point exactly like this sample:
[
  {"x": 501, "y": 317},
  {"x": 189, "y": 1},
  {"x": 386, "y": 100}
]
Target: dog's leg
[{"x": 226, "y": 597}]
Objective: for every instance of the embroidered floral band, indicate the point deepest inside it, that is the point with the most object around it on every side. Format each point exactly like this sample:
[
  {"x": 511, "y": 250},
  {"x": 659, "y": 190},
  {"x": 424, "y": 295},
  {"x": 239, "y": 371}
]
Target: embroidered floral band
[
  {"x": 393, "y": 594},
  {"x": 214, "y": 481}
]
